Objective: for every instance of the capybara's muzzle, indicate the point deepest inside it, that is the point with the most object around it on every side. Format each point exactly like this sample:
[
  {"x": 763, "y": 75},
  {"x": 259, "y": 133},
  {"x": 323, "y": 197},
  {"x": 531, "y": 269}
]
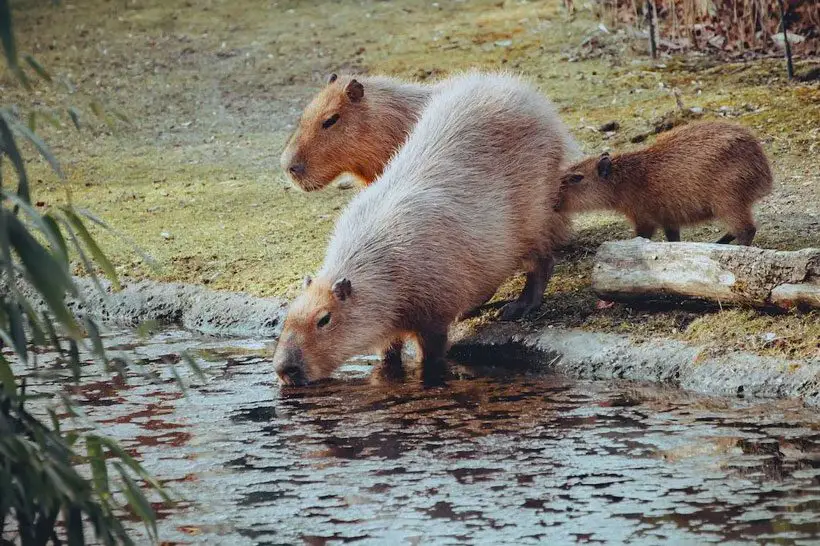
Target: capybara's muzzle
[{"x": 289, "y": 366}]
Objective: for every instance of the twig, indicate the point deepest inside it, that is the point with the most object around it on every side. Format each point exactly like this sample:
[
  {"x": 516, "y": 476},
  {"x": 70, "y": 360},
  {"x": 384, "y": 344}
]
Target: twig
[
  {"x": 784, "y": 24},
  {"x": 651, "y": 16}
]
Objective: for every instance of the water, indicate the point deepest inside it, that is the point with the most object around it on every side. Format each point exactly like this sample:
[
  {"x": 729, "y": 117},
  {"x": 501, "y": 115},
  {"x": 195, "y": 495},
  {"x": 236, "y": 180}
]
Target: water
[{"x": 511, "y": 458}]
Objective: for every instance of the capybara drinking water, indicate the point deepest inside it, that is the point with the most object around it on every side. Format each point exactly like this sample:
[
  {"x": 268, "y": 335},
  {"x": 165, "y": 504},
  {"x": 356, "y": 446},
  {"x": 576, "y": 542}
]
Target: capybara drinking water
[
  {"x": 465, "y": 202},
  {"x": 354, "y": 125},
  {"x": 695, "y": 173}
]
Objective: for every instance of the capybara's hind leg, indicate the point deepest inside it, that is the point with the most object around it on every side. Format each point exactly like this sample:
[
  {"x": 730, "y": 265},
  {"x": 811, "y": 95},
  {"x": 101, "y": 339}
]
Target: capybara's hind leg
[
  {"x": 433, "y": 348},
  {"x": 742, "y": 226},
  {"x": 672, "y": 234},
  {"x": 644, "y": 230},
  {"x": 530, "y": 297},
  {"x": 746, "y": 235},
  {"x": 391, "y": 368}
]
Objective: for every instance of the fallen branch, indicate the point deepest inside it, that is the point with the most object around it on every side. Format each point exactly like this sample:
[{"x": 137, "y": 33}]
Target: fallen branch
[{"x": 639, "y": 269}]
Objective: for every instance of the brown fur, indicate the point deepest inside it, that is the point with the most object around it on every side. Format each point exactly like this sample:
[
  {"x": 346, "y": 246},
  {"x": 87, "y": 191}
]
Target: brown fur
[
  {"x": 367, "y": 133},
  {"x": 465, "y": 202},
  {"x": 695, "y": 173}
]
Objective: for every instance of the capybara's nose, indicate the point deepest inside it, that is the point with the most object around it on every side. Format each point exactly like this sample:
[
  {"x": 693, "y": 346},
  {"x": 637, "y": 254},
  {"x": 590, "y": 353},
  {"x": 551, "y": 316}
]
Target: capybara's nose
[
  {"x": 291, "y": 375},
  {"x": 297, "y": 170}
]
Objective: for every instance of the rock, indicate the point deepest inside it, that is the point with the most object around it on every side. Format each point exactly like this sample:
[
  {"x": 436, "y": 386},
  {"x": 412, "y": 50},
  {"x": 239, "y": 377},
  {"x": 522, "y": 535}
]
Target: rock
[{"x": 609, "y": 127}]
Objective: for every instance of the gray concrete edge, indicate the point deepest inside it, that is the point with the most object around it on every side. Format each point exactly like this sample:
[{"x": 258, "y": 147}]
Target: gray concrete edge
[{"x": 575, "y": 353}]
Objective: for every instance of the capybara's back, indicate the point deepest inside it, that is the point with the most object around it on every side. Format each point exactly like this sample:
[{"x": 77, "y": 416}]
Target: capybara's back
[{"x": 464, "y": 202}]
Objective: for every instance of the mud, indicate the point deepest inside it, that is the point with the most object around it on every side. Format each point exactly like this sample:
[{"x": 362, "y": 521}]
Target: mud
[{"x": 503, "y": 454}]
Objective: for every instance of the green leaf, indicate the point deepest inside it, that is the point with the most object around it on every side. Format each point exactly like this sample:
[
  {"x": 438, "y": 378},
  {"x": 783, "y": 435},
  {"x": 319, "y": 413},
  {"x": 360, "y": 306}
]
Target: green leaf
[
  {"x": 74, "y": 360},
  {"x": 13, "y": 152},
  {"x": 137, "y": 501},
  {"x": 192, "y": 364},
  {"x": 38, "y": 68},
  {"x": 119, "y": 115},
  {"x": 17, "y": 330},
  {"x": 7, "y": 378},
  {"x": 44, "y": 271},
  {"x": 38, "y": 143},
  {"x": 96, "y": 341},
  {"x": 99, "y": 469},
  {"x": 8, "y": 43},
  {"x": 75, "y": 117},
  {"x": 58, "y": 237},
  {"x": 97, "y": 109},
  {"x": 45, "y": 224},
  {"x": 32, "y": 120},
  {"x": 91, "y": 244}
]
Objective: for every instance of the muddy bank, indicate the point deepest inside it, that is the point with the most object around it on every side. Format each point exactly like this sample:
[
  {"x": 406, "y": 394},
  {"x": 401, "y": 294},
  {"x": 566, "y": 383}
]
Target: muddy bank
[
  {"x": 187, "y": 306},
  {"x": 591, "y": 355},
  {"x": 575, "y": 353}
]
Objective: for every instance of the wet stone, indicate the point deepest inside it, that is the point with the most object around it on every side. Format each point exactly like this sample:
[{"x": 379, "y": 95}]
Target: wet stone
[{"x": 513, "y": 458}]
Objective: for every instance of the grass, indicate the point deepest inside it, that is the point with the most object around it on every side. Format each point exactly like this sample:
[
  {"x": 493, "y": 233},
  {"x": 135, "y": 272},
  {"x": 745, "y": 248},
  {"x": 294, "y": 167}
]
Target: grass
[{"x": 212, "y": 89}]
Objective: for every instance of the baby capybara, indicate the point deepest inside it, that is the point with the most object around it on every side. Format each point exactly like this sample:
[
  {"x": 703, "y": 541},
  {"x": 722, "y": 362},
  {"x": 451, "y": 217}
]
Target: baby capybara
[
  {"x": 354, "y": 125},
  {"x": 465, "y": 202},
  {"x": 694, "y": 173}
]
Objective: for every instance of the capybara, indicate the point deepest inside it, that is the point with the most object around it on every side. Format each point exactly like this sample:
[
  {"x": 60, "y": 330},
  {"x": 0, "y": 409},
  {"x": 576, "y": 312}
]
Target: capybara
[
  {"x": 692, "y": 174},
  {"x": 354, "y": 125},
  {"x": 465, "y": 202}
]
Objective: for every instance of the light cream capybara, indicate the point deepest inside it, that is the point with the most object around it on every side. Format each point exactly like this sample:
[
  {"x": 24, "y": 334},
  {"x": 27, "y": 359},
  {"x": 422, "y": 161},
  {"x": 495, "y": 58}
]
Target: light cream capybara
[
  {"x": 465, "y": 202},
  {"x": 354, "y": 126},
  {"x": 695, "y": 173}
]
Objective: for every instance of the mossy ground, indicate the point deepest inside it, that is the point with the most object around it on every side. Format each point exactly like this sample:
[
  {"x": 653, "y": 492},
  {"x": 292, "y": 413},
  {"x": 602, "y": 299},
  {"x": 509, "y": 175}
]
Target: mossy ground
[{"x": 212, "y": 89}]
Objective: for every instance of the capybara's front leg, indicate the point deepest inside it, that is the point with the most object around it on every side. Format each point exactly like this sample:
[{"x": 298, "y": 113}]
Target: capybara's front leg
[
  {"x": 530, "y": 297},
  {"x": 672, "y": 234},
  {"x": 433, "y": 344},
  {"x": 390, "y": 369}
]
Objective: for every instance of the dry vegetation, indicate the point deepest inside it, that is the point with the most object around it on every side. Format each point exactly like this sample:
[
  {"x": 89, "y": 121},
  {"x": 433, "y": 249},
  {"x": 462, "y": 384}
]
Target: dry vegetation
[{"x": 213, "y": 87}]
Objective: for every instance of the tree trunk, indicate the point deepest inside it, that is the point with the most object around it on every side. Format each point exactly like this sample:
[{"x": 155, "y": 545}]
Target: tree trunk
[{"x": 639, "y": 269}]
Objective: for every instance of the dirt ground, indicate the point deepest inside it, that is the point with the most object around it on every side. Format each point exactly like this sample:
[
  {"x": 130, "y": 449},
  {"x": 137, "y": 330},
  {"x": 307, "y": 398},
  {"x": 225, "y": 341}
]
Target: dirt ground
[{"x": 212, "y": 89}]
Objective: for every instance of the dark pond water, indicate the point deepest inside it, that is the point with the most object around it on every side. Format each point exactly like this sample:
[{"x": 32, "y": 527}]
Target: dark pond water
[{"x": 507, "y": 459}]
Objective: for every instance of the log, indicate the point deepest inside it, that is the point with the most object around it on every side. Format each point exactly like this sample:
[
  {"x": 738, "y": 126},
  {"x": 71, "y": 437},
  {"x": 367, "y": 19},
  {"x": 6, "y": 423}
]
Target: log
[{"x": 639, "y": 269}]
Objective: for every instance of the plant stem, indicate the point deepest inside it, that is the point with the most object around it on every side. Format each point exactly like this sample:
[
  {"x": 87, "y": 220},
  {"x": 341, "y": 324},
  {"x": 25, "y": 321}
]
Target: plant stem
[
  {"x": 650, "y": 15},
  {"x": 789, "y": 65}
]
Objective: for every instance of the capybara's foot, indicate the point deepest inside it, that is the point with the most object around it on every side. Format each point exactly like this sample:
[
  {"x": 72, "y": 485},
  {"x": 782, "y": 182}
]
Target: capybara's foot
[
  {"x": 517, "y": 309},
  {"x": 390, "y": 369},
  {"x": 433, "y": 372},
  {"x": 672, "y": 234}
]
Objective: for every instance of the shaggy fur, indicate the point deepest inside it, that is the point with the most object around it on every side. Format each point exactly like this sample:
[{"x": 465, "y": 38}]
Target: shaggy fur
[
  {"x": 466, "y": 201},
  {"x": 695, "y": 173},
  {"x": 366, "y": 135}
]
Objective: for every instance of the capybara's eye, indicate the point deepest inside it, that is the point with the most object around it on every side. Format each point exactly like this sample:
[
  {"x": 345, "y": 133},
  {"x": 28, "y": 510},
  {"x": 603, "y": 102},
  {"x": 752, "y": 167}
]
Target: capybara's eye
[
  {"x": 330, "y": 121},
  {"x": 324, "y": 321}
]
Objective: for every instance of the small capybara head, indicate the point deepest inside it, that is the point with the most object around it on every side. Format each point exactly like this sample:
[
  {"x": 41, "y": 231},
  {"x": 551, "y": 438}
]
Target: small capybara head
[
  {"x": 322, "y": 146},
  {"x": 317, "y": 336},
  {"x": 592, "y": 170}
]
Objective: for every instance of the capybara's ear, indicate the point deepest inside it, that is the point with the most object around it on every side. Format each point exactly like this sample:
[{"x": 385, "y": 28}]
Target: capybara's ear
[
  {"x": 354, "y": 91},
  {"x": 332, "y": 78},
  {"x": 342, "y": 289},
  {"x": 306, "y": 281},
  {"x": 604, "y": 166},
  {"x": 572, "y": 178}
]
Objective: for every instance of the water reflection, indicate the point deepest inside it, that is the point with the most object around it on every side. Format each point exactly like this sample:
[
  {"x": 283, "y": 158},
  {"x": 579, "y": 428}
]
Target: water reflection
[{"x": 500, "y": 458}]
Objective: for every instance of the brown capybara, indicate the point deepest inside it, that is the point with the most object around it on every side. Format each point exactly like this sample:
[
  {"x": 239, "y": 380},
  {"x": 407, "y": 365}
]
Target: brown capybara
[
  {"x": 692, "y": 174},
  {"x": 354, "y": 125},
  {"x": 465, "y": 202}
]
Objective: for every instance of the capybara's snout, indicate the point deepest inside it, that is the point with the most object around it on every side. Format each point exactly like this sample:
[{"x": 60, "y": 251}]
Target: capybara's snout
[{"x": 290, "y": 366}]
